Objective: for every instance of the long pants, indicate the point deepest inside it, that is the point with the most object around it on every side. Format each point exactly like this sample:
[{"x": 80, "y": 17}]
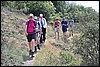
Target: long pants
[{"x": 43, "y": 36}]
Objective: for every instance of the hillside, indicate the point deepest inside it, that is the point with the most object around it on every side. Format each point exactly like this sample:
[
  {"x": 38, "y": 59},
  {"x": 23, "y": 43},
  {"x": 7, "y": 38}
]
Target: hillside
[
  {"x": 81, "y": 49},
  {"x": 14, "y": 48},
  {"x": 13, "y": 41}
]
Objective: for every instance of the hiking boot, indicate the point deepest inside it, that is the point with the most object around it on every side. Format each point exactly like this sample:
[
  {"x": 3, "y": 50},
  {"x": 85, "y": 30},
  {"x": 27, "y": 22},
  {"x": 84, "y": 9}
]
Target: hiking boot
[
  {"x": 41, "y": 42},
  {"x": 35, "y": 49},
  {"x": 38, "y": 46},
  {"x": 30, "y": 52}
]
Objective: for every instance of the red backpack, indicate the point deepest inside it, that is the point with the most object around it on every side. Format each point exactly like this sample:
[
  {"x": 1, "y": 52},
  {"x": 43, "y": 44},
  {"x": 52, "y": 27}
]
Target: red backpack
[{"x": 56, "y": 24}]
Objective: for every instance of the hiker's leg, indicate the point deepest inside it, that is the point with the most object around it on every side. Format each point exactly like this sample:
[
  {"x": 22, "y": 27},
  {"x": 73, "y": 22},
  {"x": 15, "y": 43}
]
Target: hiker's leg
[
  {"x": 33, "y": 47},
  {"x": 55, "y": 34},
  {"x": 38, "y": 41},
  {"x": 72, "y": 32},
  {"x": 36, "y": 38},
  {"x": 29, "y": 41},
  {"x": 33, "y": 44},
  {"x": 44, "y": 34},
  {"x": 29, "y": 37},
  {"x": 64, "y": 34},
  {"x": 38, "y": 44},
  {"x": 30, "y": 46},
  {"x": 58, "y": 32},
  {"x": 58, "y": 35},
  {"x": 41, "y": 39}
]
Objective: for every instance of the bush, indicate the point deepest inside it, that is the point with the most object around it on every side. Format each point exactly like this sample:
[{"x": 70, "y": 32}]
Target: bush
[
  {"x": 69, "y": 59},
  {"x": 88, "y": 44}
]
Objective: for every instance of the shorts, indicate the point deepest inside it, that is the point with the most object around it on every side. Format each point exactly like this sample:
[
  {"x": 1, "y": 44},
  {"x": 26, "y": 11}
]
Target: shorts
[
  {"x": 37, "y": 34},
  {"x": 64, "y": 29},
  {"x": 57, "y": 29},
  {"x": 30, "y": 37},
  {"x": 71, "y": 27}
]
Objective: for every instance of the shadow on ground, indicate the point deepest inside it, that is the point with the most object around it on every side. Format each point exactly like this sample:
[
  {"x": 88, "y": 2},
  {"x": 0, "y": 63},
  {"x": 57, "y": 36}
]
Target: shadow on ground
[{"x": 25, "y": 58}]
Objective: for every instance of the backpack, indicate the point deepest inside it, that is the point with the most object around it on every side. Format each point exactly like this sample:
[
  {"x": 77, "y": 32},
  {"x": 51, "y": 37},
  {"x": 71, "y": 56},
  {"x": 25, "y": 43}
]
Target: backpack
[
  {"x": 38, "y": 25},
  {"x": 34, "y": 25},
  {"x": 56, "y": 24},
  {"x": 42, "y": 22}
]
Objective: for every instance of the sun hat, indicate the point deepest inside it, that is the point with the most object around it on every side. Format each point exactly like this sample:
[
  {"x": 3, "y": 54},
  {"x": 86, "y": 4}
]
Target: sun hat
[{"x": 41, "y": 15}]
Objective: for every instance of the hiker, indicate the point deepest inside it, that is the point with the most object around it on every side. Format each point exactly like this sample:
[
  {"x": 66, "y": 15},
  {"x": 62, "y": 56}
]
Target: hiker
[
  {"x": 56, "y": 27},
  {"x": 70, "y": 25},
  {"x": 43, "y": 26},
  {"x": 31, "y": 25},
  {"x": 37, "y": 46},
  {"x": 64, "y": 24}
]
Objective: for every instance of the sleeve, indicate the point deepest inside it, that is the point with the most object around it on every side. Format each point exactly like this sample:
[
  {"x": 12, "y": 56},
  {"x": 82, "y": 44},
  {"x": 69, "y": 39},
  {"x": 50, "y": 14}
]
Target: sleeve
[
  {"x": 45, "y": 22},
  {"x": 26, "y": 22}
]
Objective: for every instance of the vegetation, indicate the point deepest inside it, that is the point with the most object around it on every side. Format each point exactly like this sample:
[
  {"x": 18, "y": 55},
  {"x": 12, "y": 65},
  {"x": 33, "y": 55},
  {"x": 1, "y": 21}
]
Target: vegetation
[{"x": 86, "y": 24}]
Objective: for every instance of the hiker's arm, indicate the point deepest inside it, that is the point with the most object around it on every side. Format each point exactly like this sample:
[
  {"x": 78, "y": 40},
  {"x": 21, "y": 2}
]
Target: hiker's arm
[
  {"x": 59, "y": 24},
  {"x": 36, "y": 27},
  {"x": 40, "y": 28},
  {"x": 45, "y": 23}
]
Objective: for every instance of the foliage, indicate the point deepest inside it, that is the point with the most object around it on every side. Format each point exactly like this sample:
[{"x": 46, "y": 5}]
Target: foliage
[
  {"x": 88, "y": 44},
  {"x": 68, "y": 59},
  {"x": 35, "y": 7}
]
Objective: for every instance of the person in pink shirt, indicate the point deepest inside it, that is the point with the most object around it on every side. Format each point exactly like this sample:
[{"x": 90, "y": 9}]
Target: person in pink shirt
[{"x": 30, "y": 32}]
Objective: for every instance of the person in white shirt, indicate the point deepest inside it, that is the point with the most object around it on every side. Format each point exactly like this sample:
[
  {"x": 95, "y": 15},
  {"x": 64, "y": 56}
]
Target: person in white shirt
[
  {"x": 70, "y": 25},
  {"x": 43, "y": 26}
]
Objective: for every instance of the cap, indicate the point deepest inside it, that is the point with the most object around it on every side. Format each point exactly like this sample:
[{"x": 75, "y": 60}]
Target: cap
[
  {"x": 41, "y": 15},
  {"x": 56, "y": 18},
  {"x": 35, "y": 17},
  {"x": 31, "y": 15}
]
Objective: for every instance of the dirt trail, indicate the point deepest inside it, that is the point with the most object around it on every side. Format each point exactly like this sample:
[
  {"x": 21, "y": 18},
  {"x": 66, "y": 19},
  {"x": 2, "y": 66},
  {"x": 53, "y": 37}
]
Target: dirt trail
[{"x": 47, "y": 46}]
